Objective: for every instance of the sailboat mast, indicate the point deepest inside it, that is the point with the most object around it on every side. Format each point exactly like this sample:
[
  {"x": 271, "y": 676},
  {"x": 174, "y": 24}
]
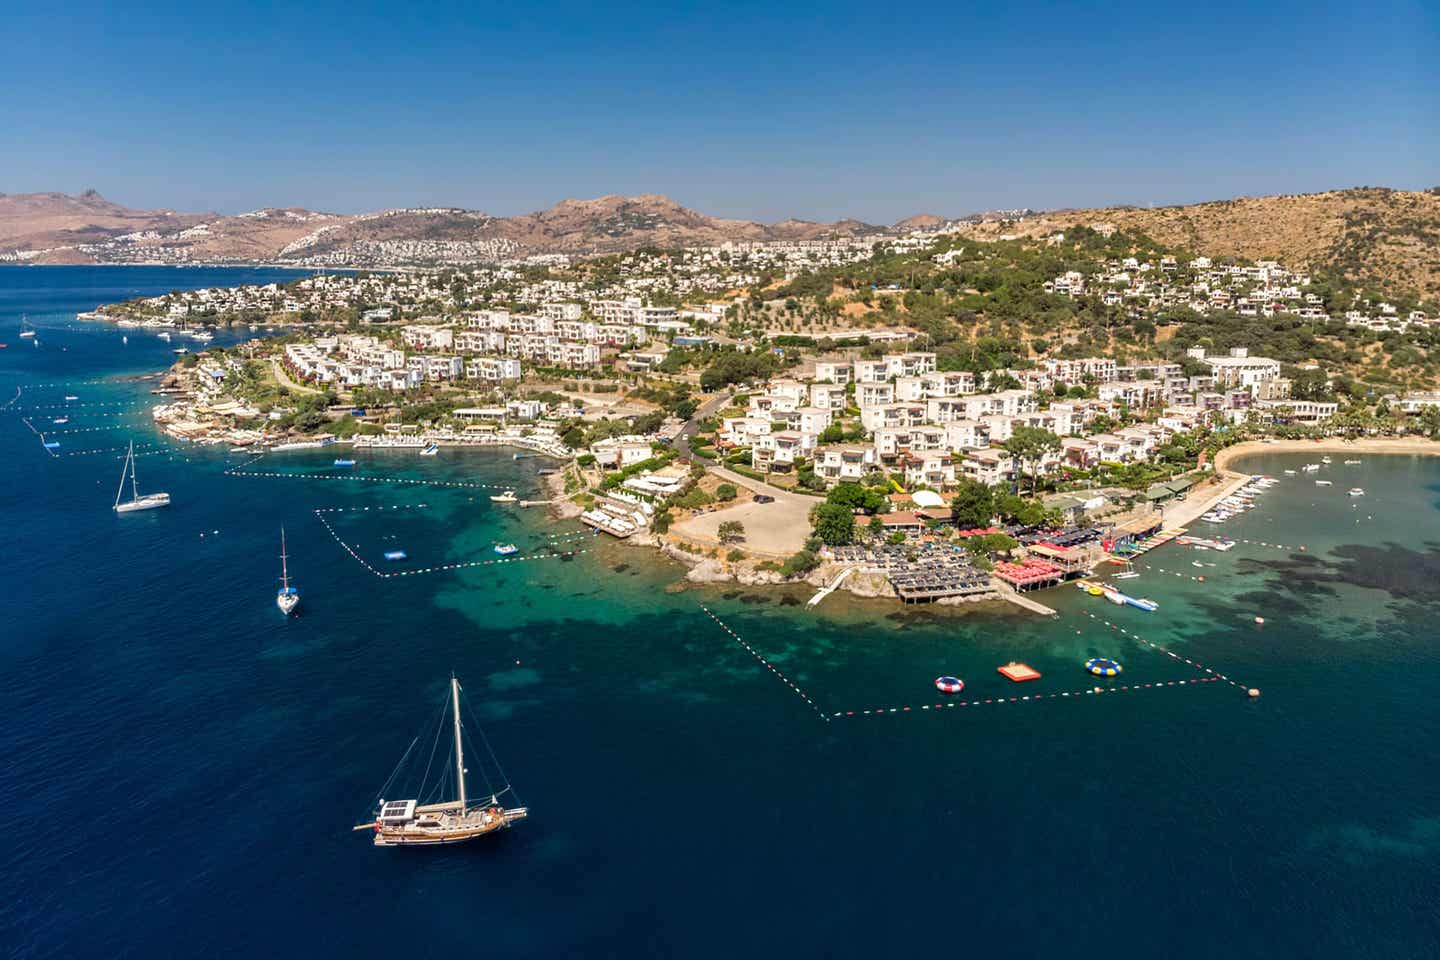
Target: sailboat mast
[
  {"x": 120, "y": 490},
  {"x": 459, "y": 750},
  {"x": 284, "y": 570},
  {"x": 134, "y": 484}
]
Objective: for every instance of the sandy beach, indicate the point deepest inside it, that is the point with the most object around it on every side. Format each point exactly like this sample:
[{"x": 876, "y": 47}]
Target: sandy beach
[
  {"x": 1228, "y": 480},
  {"x": 1412, "y": 446}
]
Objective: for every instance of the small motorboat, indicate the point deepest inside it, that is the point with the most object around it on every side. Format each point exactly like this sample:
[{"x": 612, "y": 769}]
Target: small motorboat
[
  {"x": 506, "y": 549},
  {"x": 59, "y": 420},
  {"x": 71, "y": 396},
  {"x": 1323, "y": 483},
  {"x": 395, "y": 554},
  {"x": 1357, "y": 492},
  {"x": 507, "y": 497},
  {"x": 430, "y": 450},
  {"x": 344, "y": 463}
]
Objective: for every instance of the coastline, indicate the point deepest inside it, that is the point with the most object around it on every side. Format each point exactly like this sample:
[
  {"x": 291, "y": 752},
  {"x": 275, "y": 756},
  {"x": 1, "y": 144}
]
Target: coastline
[{"x": 1410, "y": 446}]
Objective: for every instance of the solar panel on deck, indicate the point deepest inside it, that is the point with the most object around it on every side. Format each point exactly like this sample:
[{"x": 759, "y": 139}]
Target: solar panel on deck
[{"x": 398, "y": 810}]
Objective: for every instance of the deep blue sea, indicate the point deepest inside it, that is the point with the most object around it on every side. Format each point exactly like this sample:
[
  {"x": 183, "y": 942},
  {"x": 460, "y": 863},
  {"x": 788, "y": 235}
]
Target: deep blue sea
[{"x": 183, "y": 765}]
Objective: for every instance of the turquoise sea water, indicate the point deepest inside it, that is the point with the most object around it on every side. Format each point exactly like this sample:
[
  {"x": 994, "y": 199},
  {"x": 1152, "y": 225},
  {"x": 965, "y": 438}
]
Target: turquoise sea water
[{"x": 184, "y": 765}]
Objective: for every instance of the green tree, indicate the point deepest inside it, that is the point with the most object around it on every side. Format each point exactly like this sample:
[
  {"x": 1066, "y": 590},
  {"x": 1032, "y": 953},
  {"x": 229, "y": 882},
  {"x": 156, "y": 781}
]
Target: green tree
[
  {"x": 973, "y": 504},
  {"x": 1028, "y": 445},
  {"x": 801, "y": 562},
  {"x": 834, "y": 523},
  {"x": 854, "y": 496},
  {"x": 726, "y": 492},
  {"x": 1429, "y": 421},
  {"x": 731, "y": 531}
]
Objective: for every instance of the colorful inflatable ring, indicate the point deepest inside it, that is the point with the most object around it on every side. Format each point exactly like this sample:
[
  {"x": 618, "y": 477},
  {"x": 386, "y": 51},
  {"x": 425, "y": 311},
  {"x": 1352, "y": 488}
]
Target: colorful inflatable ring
[
  {"x": 949, "y": 684},
  {"x": 1102, "y": 667}
]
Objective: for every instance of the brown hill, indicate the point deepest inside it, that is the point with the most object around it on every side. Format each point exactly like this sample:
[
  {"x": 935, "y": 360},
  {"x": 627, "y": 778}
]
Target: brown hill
[
  {"x": 920, "y": 221},
  {"x": 1390, "y": 238},
  {"x": 31, "y": 221},
  {"x": 55, "y": 228}
]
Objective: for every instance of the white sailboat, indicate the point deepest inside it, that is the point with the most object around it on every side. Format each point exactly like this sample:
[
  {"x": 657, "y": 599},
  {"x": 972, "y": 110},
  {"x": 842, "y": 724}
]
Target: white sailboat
[
  {"x": 136, "y": 502},
  {"x": 26, "y": 330},
  {"x": 288, "y": 598},
  {"x": 407, "y": 823}
]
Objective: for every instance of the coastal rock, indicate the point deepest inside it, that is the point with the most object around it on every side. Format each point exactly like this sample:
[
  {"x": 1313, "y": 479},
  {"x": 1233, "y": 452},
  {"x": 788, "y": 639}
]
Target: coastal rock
[
  {"x": 869, "y": 585},
  {"x": 708, "y": 571}
]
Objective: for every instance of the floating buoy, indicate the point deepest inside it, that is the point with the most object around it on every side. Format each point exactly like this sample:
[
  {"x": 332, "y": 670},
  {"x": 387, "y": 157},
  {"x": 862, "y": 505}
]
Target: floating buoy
[
  {"x": 1253, "y": 692},
  {"x": 1201, "y": 579},
  {"x": 1102, "y": 667},
  {"x": 949, "y": 684},
  {"x": 1260, "y": 620},
  {"x": 1302, "y": 548}
]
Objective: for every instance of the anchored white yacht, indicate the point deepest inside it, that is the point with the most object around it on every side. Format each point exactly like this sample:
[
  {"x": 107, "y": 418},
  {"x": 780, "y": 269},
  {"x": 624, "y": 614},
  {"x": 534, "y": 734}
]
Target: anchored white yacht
[
  {"x": 288, "y": 598},
  {"x": 136, "y": 502}
]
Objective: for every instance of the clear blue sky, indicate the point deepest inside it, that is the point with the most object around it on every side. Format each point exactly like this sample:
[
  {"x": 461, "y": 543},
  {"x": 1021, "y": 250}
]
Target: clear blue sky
[{"x": 761, "y": 110}]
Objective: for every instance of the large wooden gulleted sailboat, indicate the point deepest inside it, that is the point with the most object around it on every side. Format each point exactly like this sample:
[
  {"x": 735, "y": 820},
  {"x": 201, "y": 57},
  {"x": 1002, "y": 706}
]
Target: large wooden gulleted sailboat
[{"x": 411, "y": 823}]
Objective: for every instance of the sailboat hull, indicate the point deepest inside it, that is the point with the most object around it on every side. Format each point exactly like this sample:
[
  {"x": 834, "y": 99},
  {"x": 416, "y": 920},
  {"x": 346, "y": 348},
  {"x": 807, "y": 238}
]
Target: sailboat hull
[
  {"x": 148, "y": 502},
  {"x": 449, "y": 829},
  {"x": 287, "y": 602}
]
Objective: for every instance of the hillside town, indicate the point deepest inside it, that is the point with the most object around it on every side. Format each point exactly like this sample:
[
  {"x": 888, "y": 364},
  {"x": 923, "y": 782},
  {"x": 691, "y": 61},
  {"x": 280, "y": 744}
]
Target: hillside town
[{"x": 702, "y": 400}]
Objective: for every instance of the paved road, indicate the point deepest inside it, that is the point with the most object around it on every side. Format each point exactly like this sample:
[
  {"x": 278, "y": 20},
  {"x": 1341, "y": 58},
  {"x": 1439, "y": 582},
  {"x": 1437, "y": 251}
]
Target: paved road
[
  {"x": 692, "y": 426},
  {"x": 778, "y": 529},
  {"x": 284, "y": 380}
]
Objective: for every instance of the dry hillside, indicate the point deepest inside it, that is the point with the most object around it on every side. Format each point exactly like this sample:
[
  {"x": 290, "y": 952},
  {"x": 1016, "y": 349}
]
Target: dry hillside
[{"x": 1389, "y": 237}]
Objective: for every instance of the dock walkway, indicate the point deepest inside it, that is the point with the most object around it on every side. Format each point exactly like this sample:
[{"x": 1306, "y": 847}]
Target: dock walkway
[
  {"x": 831, "y": 588},
  {"x": 1009, "y": 593}
]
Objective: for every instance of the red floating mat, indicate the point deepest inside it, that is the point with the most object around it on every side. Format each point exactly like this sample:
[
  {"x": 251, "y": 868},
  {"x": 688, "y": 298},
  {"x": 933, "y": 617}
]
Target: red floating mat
[{"x": 1019, "y": 672}]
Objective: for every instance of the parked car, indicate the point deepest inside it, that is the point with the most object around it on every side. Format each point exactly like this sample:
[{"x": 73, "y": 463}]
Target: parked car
[{"x": 764, "y": 498}]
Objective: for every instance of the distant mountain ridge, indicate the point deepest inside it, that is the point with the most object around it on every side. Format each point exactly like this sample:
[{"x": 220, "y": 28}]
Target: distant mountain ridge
[
  {"x": 1391, "y": 237},
  {"x": 59, "y": 228}
]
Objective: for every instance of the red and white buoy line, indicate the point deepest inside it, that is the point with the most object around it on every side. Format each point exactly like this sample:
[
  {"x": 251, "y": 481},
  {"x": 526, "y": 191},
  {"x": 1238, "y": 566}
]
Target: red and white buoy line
[
  {"x": 586, "y": 534},
  {"x": 1211, "y": 676},
  {"x": 35, "y": 430},
  {"x": 275, "y": 474},
  {"x": 82, "y": 405},
  {"x": 9, "y": 404},
  {"x": 997, "y": 701},
  {"x": 1182, "y": 576},
  {"x": 58, "y": 433},
  {"x": 398, "y": 506},
  {"x": 1262, "y": 543},
  {"x": 767, "y": 665},
  {"x": 68, "y": 383},
  {"x": 438, "y": 568},
  {"x": 141, "y": 450}
]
